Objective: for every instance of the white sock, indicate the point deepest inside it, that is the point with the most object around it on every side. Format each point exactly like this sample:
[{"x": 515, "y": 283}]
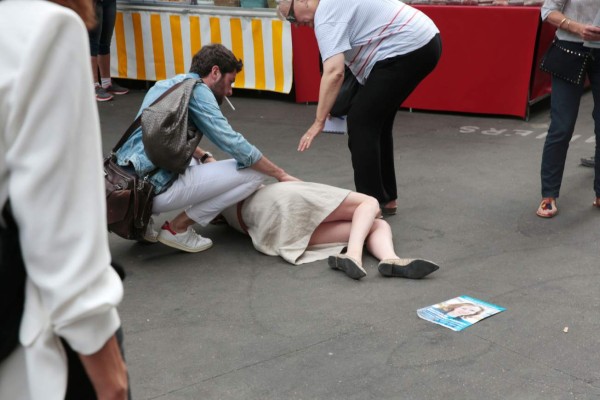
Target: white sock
[{"x": 105, "y": 82}]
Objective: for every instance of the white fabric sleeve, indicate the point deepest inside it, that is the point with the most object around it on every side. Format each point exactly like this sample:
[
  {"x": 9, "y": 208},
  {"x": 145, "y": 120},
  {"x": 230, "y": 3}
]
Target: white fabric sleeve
[
  {"x": 551, "y": 5},
  {"x": 56, "y": 188}
]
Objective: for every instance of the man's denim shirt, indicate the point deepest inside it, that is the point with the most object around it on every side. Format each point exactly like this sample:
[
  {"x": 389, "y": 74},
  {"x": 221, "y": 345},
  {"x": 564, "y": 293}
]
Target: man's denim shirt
[{"x": 205, "y": 113}]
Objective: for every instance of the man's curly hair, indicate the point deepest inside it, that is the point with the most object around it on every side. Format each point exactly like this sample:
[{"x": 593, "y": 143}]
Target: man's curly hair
[{"x": 215, "y": 54}]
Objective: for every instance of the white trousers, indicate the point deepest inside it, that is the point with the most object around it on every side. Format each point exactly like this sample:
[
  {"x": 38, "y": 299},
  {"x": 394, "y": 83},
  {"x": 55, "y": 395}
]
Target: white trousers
[{"x": 204, "y": 190}]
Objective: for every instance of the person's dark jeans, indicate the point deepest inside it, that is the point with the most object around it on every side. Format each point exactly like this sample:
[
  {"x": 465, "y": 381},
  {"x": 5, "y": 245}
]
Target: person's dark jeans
[
  {"x": 564, "y": 108},
  {"x": 101, "y": 35}
]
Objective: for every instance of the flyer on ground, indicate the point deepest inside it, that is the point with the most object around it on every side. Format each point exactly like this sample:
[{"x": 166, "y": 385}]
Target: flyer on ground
[{"x": 459, "y": 313}]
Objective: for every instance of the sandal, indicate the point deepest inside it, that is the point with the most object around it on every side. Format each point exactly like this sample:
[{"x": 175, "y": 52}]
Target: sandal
[
  {"x": 596, "y": 202},
  {"x": 547, "y": 208}
]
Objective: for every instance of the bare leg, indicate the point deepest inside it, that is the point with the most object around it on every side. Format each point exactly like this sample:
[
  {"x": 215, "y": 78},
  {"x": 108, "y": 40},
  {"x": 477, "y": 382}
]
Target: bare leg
[
  {"x": 104, "y": 65},
  {"x": 362, "y": 211},
  {"x": 364, "y": 225},
  {"x": 379, "y": 241}
]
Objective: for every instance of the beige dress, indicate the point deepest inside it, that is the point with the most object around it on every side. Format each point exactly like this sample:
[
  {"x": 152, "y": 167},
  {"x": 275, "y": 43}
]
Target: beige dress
[{"x": 281, "y": 218}]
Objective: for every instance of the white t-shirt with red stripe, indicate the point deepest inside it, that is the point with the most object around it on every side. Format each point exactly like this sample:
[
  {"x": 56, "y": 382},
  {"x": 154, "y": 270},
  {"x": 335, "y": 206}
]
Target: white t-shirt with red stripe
[{"x": 368, "y": 31}]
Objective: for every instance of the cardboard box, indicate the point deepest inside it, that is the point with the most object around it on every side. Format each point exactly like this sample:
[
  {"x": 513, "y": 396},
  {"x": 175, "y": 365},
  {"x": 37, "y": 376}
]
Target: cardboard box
[{"x": 227, "y": 3}]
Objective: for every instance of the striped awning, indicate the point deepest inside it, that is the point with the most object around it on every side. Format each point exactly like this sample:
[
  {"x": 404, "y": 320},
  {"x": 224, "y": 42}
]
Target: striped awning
[{"x": 155, "y": 43}]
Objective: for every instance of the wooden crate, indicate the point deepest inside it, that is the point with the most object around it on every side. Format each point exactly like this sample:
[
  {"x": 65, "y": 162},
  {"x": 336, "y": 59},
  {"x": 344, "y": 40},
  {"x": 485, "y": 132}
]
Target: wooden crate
[{"x": 227, "y": 3}]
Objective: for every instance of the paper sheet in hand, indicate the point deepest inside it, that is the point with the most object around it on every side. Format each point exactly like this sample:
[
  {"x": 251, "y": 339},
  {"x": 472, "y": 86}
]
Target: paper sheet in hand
[
  {"x": 459, "y": 313},
  {"x": 335, "y": 125}
]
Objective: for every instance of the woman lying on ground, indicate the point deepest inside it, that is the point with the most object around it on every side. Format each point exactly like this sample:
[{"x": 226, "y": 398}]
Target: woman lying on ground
[{"x": 304, "y": 222}]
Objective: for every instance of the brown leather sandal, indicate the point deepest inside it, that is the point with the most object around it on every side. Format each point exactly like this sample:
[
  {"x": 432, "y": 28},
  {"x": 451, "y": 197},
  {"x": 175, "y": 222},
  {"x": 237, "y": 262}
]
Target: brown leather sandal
[
  {"x": 547, "y": 208},
  {"x": 596, "y": 202}
]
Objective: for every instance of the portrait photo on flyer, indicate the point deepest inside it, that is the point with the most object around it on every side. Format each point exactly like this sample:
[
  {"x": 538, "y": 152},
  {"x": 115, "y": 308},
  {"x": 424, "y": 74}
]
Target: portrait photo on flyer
[{"x": 459, "y": 313}]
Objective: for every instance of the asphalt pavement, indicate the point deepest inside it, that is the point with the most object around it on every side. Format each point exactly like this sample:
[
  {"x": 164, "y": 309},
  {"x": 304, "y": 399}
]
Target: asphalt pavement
[{"x": 233, "y": 324}]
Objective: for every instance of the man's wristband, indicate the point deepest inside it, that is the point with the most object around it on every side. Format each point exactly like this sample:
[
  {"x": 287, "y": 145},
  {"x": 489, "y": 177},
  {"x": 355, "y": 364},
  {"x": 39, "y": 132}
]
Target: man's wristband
[{"x": 205, "y": 156}]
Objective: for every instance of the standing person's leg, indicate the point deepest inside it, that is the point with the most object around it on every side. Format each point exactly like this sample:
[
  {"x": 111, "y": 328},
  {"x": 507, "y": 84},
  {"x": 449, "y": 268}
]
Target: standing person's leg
[
  {"x": 371, "y": 118},
  {"x": 564, "y": 107},
  {"x": 364, "y": 127},
  {"x": 594, "y": 76},
  {"x": 109, "y": 11},
  {"x": 94, "y": 35},
  {"x": 388, "y": 169}
]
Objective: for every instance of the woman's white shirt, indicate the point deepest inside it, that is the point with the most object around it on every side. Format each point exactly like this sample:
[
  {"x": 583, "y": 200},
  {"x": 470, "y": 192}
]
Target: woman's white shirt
[{"x": 50, "y": 167}]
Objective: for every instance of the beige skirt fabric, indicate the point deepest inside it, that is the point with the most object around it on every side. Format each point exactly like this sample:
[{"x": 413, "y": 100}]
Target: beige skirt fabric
[{"x": 281, "y": 218}]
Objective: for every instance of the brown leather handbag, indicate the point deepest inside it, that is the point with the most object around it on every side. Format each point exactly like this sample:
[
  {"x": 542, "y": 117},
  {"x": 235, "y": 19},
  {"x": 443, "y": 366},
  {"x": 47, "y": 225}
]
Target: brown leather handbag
[
  {"x": 128, "y": 201},
  {"x": 128, "y": 196}
]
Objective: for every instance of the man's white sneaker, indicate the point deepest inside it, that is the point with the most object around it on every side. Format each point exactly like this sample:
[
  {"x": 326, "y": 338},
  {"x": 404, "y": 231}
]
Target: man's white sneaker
[
  {"x": 151, "y": 236},
  {"x": 188, "y": 241}
]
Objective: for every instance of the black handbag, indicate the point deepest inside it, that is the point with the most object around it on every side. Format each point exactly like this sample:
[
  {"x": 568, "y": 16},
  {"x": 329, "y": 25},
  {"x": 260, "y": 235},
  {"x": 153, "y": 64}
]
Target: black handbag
[
  {"x": 343, "y": 102},
  {"x": 566, "y": 60}
]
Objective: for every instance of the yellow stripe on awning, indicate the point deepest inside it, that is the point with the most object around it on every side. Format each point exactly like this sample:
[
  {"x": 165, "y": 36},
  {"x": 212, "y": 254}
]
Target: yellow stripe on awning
[
  {"x": 237, "y": 46},
  {"x": 140, "y": 60},
  {"x": 177, "y": 43},
  {"x": 277, "y": 37},
  {"x": 195, "y": 35},
  {"x": 215, "y": 30},
  {"x": 158, "y": 47},
  {"x": 120, "y": 44},
  {"x": 259, "y": 54}
]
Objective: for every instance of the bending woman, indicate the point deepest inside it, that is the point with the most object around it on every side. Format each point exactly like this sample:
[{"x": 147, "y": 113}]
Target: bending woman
[
  {"x": 304, "y": 222},
  {"x": 390, "y": 47}
]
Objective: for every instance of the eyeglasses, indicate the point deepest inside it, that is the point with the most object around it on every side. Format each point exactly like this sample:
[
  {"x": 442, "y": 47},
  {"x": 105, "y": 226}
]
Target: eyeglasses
[{"x": 291, "y": 18}]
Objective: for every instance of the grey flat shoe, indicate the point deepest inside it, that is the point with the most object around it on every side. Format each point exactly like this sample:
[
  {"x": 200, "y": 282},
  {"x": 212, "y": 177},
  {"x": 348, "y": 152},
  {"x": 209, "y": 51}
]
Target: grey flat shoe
[
  {"x": 350, "y": 266},
  {"x": 407, "y": 268}
]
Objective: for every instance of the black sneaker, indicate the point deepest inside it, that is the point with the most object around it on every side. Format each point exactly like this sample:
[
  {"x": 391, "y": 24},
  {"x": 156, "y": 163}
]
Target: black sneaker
[
  {"x": 102, "y": 94},
  {"x": 116, "y": 89},
  {"x": 588, "y": 162}
]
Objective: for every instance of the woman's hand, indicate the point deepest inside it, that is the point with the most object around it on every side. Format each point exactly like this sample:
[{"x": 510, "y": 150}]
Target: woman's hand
[
  {"x": 288, "y": 178},
  {"x": 312, "y": 132},
  {"x": 589, "y": 33}
]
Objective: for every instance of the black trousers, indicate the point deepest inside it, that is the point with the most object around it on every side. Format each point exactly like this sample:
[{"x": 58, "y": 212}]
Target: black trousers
[{"x": 371, "y": 118}]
